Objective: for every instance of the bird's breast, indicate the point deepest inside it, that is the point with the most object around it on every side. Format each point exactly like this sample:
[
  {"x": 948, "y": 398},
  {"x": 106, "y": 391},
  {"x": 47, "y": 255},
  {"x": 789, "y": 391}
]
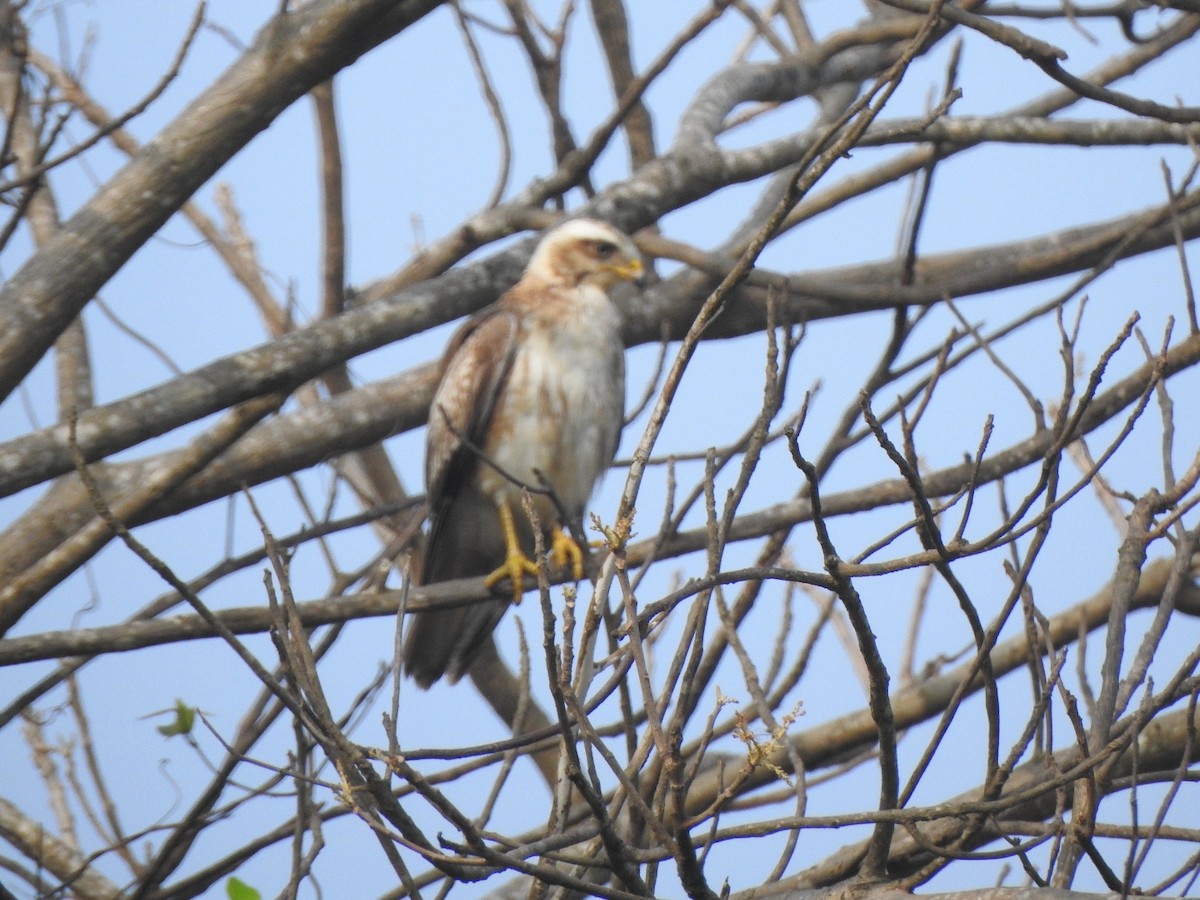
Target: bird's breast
[{"x": 560, "y": 413}]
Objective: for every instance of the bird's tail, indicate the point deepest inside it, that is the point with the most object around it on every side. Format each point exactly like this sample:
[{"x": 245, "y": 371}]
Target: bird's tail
[{"x": 464, "y": 542}]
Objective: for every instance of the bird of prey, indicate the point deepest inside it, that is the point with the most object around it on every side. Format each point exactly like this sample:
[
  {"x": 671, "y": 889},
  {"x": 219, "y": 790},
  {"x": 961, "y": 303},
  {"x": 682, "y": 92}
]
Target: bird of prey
[{"x": 531, "y": 396}]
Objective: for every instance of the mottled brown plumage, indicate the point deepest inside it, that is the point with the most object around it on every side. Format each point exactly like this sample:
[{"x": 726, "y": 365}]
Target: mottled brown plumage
[{"x": 532, "y": 388}]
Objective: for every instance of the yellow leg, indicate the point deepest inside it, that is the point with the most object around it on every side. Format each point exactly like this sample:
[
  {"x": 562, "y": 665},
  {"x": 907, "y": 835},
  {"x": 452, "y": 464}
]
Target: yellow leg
[
  {"x": 516, "y": 564},
  {"x": 563, "y": 550}
]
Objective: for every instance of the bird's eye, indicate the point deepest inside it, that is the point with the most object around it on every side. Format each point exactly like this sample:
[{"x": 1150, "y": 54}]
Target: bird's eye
[{"x": 604, "y": 249}]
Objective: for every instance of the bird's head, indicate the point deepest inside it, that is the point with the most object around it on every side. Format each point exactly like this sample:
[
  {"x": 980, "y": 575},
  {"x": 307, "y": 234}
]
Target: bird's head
[{"x": 586, "y": 251}]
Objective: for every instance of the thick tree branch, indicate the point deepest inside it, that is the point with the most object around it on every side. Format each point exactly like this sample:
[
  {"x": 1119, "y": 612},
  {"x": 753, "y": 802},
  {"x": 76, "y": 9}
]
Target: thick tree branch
[{"x": 292, "y": 54}]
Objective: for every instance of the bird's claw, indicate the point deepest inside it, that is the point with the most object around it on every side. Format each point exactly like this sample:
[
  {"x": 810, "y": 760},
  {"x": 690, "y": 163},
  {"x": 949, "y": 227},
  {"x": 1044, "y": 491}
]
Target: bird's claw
[
  {"x": 564, "y": 551},
  {"x": 515, "y": 567}
]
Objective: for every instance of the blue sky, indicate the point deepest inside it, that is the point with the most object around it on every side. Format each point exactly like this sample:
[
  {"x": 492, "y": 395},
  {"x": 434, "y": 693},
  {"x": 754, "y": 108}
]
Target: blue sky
[{"x": 420, "y": 157}]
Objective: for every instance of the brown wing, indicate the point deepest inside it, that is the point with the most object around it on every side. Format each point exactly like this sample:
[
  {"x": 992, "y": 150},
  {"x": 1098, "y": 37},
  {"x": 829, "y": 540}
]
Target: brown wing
[
  {"x": 474, "y": 371},
  {"x": 464, "y": 534}
]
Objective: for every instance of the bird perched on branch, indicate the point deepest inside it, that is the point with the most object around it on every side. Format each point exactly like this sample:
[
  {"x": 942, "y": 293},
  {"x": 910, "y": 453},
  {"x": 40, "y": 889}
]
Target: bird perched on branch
[{"x": 531, "y": 397}]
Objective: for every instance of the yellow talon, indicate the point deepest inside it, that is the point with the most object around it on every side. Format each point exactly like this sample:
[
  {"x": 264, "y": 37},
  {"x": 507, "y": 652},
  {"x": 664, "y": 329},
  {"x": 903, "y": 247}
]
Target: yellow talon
[
  {"x": 516, "y": 564},
  {"x": 563, "y": 549},
  {"x": 564, "y": 553}
]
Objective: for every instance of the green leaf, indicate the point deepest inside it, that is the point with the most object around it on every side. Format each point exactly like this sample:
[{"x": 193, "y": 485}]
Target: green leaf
[
  {"x": 185, "y": 718},
  {"x": 239, "y": 890}
]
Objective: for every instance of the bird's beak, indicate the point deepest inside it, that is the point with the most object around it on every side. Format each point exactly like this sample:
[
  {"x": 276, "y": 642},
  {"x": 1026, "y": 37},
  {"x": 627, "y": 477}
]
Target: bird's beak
[{"x": 633, "y": 271}]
